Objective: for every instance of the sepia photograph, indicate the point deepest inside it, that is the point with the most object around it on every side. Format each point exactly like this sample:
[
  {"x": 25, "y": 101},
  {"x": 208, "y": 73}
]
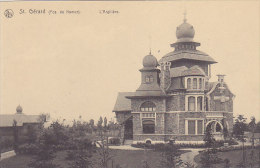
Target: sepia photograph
[{"x": 130, "y": 84}]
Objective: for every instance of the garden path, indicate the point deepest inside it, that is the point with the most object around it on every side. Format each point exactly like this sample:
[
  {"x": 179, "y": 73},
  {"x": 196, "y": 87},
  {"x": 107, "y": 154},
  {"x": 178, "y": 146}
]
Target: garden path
[
  {"x": 125, "y": 147},
  {"x": 188, "y": 157},
  {"x": 6, "y": 155}
]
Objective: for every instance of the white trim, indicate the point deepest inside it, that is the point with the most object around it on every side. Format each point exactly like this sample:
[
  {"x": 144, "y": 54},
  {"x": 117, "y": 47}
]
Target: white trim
[
  {"x": 216, "y": 124},
  {"x": 196, "y": 125},
  {"x": 167, "y": 134},
  {"x": 184, "y": 112},
  {"x": 196, "y": 102},
  {"x": 190, "y": 142},
  {"x": 176, "y": 142}
]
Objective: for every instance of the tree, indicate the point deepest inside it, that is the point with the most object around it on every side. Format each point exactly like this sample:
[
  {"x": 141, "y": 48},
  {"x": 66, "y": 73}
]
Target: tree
[
  {"x": 252, "y": 127},
  {"x": 257, "y": 129},
  {"x": 104, "y": 152},
  {"x": 31, "y": 134},
  {"x": 240, "y": 127},
  {"x": 82, "y": 154},
  {"x": 100, "y": 122},
  {"x": 45, "y": 154},
  {"x": 105, "y": 122},
  {"x": 15, "y": 134},
  {"x": 170, "y": 156},
  {"x": 44, "y": 117},
  {"x": 92, "y": 123},
  {"x": 209, "y": 139}
]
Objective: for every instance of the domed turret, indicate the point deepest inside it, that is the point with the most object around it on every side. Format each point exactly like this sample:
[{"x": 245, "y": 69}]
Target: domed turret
[
  {"x": 19, "y": 109},
  {"x": 150, "y": 61},
  {"x": 185, "y": 32}
]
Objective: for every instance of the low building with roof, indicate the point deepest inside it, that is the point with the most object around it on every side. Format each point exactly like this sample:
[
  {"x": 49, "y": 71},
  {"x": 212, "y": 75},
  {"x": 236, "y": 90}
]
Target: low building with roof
[
  {"x": 22, "y": 121},
  {"x": 177, "y": 100}
]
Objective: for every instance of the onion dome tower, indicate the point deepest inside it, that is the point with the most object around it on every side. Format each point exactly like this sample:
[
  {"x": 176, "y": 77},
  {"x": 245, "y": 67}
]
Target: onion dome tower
[
  {"x": 149, "y": 78},
  {"x": 185, "y": 50},
  {"x": 19, "y": 109}
]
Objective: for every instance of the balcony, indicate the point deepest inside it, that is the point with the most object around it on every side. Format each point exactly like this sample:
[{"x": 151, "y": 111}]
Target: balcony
[{"x": 214, "y": 114}]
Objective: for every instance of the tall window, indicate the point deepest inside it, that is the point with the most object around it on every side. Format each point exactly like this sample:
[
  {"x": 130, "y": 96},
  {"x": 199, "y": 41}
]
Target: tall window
[
  {"x": 191, "y": 127},
  {"x": 199, "y": 103},
  {"x": 189, "y": 83},
  {"x": 148, "y": 106},
  {"x": 199, "y": 127},
  {"x": 194, "y": 83},
  {"x": 200, "y": 83},
  {"x": 191, "y": 103},
  {"x": 148, "y": 126}
]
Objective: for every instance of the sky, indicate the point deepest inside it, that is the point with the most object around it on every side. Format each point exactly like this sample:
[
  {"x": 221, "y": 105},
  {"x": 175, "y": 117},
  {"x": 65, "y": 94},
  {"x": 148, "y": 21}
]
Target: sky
[{"x": 71, "y": 65}]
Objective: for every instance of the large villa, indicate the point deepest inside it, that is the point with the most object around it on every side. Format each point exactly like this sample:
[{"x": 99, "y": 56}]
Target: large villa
[{"x": 176, "y": 100}]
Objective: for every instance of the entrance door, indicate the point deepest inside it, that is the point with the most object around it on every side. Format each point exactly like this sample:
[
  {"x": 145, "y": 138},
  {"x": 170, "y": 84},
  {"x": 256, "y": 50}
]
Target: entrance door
[{"x": 129, "y": 128}]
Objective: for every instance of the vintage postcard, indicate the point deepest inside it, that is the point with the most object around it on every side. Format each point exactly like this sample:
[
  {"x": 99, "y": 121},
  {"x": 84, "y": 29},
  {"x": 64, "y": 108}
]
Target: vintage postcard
[{"x": 129, "y": 84}]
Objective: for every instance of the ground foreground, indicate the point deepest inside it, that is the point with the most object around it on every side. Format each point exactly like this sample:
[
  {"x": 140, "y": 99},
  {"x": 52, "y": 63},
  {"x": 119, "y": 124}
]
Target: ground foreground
[
  {"x": 125, "y": 158},
  {"x": 236, "y": 157}
]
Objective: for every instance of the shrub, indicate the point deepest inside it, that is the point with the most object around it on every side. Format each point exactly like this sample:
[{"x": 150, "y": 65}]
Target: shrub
[
  {"x": 114, "y": 141},
  {"x": 28, "y": 149},
  {"x": 209, "y": 157},
  {"x": 6, "y": 143}
]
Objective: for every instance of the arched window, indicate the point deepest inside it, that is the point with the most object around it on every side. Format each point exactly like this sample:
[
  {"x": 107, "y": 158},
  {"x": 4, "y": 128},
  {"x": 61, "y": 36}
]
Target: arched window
[
  {"x": 191, "y": 103},
  {"x": 199, "y": 103},
  {"x": 148, "y": 106},
  {"x": 194, "y": 83},
  {"x": 148, "y": 126},
  {"x": 189, "y": 83},
  {"x": 200, "y": 83}
]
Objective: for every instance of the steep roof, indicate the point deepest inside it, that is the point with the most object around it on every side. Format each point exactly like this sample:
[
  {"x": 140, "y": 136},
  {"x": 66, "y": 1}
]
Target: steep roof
[
  {"x": 195, "y": 70},
  {"x": 123, "y": 103},
  {"x": 7, "y": 120},
  {"x": 187, "y": 54},
  {"x": 177, "y": 71},
  {"x": 140, "y": 94}
]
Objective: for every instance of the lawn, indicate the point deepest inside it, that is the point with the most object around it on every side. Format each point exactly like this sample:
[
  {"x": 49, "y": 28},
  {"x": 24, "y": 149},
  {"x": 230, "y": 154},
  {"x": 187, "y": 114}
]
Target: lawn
[
  {"x": 125, "y": 158},
  {"x": 236, "y": 157}
]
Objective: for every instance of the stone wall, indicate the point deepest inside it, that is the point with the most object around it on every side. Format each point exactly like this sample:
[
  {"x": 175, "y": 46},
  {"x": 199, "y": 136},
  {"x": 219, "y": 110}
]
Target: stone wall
[
  {"x": 171, "y": 123},
  {"x": 175, "y": 103},
  {"x": 217, "y": 105}
]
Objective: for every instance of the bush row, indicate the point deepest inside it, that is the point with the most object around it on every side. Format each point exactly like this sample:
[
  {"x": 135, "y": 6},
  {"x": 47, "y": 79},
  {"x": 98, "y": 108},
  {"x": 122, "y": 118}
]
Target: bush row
[{"x": 183, "y": 145}]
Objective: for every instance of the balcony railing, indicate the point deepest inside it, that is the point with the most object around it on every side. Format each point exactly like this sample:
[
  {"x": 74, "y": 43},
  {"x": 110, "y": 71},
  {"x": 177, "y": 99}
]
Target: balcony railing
[{"x": 214, "y": 114}]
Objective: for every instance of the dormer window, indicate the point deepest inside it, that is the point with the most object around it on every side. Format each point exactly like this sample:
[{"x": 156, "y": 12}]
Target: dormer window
[
  {"x": 200, "y": 83},
  {"x": 189, "y": 83},
  {"x": 195, "y": 83}
]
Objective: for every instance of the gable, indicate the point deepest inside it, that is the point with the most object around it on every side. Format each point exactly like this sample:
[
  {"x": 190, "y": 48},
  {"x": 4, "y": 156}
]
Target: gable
[{"x": 123, "y": 103}]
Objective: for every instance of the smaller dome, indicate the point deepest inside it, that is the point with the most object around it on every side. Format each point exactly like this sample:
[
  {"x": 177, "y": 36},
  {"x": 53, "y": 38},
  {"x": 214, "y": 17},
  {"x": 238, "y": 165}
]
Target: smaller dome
[
  {"x": 19, "y": 109},
  {"x": 185, "y": 32},
  {"x": 150, "y": 61}
]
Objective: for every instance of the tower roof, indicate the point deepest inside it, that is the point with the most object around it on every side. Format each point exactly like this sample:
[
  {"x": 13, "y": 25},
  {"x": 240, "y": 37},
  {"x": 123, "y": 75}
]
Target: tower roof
[
  {"x": 149, "y": 61},
  {"x": 185, "y": 32},
  {"x": 19, "y": 109}
]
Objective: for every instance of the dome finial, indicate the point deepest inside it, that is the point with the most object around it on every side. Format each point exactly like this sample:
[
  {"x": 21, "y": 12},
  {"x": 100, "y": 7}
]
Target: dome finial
[
  {"x": 184, "y": 15},
  {"x": 150, "y": 41}
]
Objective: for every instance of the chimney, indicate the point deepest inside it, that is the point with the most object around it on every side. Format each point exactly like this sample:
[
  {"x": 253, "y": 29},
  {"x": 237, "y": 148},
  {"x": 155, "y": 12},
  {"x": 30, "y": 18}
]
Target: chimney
[{"x": 221, "y": 81}]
